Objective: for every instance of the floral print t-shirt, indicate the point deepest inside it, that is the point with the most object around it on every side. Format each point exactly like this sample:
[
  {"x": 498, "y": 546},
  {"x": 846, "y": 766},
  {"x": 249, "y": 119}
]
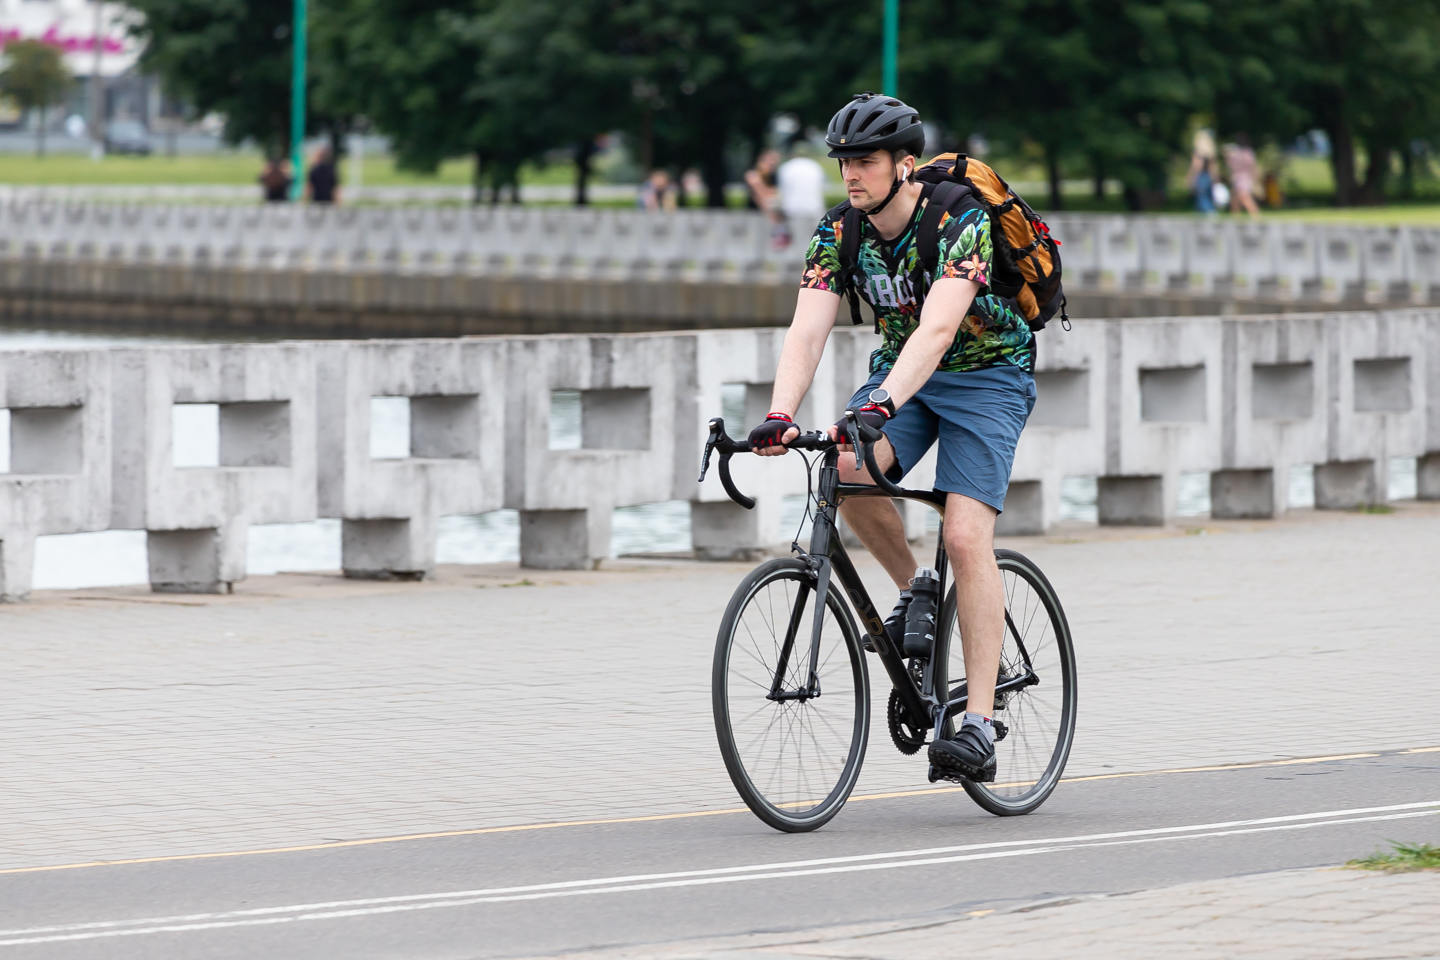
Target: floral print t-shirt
[{"x": 992, "y": 334}]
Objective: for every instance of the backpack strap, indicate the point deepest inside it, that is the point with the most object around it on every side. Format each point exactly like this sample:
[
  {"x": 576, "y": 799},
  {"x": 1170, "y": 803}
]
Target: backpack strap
[
  {"x": 947, "y": 197},
  {"x": 850, "y": 262}
]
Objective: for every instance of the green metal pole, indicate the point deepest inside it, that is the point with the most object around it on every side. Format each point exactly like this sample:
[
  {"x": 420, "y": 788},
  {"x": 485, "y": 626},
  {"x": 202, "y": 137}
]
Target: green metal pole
[
  {"x": 297, "y": 101},
  {"x": 892, "y": 28}
]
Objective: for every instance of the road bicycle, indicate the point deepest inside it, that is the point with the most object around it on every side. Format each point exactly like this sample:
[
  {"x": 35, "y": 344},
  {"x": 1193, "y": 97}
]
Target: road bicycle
[{"x": 792, "y": 709}]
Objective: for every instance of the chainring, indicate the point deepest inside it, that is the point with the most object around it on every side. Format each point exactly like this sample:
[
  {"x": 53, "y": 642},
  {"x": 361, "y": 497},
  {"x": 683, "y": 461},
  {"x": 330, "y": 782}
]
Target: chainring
[{"x": 906, "y": 739}]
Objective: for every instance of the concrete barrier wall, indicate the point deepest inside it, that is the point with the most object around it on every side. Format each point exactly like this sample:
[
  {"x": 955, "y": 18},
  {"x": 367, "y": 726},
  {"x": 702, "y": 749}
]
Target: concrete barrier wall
[
  {"x": 1133, "y": 403},
  {"x": 1266, "y": 258}
]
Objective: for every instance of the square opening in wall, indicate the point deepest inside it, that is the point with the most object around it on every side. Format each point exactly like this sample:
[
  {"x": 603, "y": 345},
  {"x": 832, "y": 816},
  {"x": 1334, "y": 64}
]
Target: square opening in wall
[
  {"x": 195, "y": 434},
  {"x": 743, "y": 405},
  {"x": 1173, "y": 395},
  {"x": 732, "y": 407},
  {"x": 45, "y": 440},
  {"x": 1062, "y": 399},
  {"x": 445, "y": 427},
  {"x": 1382, "y": 385},
  {"x": 255, "y": 434},
  {"x": 1282, "y": 391},
  {"x": 565, "y": 420},
  {"x": 389, "y": 428},
  {"x": 615, "y": 419}
]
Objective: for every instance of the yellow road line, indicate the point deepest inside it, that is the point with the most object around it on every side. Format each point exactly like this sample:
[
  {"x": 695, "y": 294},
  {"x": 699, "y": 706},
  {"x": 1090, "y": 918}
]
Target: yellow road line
[
  {"x": 517, "y": 828},
  {"x": 1137, "y": 773}
]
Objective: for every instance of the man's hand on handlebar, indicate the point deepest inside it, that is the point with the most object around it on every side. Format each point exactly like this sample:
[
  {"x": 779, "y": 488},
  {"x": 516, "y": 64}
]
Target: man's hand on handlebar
[
  {"x": 770, "y": 437},
  {"x": 870, "y": 419}
]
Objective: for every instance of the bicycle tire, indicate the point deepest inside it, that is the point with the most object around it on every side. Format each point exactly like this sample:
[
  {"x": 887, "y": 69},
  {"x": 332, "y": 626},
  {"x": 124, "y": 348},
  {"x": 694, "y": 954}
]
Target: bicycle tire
[
  {"x": 1040, "y": 724},
  {"x": 747, "y": 650}
]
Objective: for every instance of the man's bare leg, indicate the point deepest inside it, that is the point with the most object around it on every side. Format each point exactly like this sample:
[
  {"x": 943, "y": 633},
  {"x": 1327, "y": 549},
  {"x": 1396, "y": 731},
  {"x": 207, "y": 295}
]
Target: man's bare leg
[
  {"x": 877, "y": 522},
  {"x": 980, "y": 595}
]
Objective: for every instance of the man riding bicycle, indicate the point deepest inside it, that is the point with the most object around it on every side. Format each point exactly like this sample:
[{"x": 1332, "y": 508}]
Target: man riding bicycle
[{"x": 955, "y": 363}]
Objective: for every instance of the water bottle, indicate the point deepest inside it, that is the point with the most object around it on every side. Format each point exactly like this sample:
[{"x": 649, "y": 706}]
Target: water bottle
[{"x": 920, "y": 618}]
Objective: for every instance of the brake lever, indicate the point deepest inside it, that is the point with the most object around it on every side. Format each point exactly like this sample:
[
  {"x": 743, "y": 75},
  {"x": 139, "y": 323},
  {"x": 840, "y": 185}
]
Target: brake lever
[
  {"x": 709, "y": 449},
  {"x": 705, "y": 461},
  {"x": 852, "y": 433}
]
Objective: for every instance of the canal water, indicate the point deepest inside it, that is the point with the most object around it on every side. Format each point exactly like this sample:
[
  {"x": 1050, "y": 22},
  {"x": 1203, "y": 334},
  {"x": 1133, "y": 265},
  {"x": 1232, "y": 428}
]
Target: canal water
[{"x": 118, "y": 556}]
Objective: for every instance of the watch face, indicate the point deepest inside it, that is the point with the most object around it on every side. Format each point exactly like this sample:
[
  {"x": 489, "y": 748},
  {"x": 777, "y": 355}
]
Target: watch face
[{"x": 879, "y": 395}]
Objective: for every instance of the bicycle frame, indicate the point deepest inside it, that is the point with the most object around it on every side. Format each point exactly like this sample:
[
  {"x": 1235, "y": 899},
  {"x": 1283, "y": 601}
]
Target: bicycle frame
[{"x": 828, "y": 560}]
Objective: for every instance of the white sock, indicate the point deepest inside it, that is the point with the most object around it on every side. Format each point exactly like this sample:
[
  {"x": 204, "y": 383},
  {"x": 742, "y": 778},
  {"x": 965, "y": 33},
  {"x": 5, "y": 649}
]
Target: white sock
[{"x": 984, "y": 723}]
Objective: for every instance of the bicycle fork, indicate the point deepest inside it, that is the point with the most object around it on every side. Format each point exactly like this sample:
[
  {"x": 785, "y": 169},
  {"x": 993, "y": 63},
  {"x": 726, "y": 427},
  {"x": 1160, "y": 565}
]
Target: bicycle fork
[{"x": 821, "y": 568}]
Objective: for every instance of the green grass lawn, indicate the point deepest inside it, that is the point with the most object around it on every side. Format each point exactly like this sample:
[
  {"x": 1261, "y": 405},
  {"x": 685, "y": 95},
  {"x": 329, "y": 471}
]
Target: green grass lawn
[
  {"x": 1306, "y": 181},
  {"x": 1400, "y": 214},
  {"x": 235, "y": 169}
]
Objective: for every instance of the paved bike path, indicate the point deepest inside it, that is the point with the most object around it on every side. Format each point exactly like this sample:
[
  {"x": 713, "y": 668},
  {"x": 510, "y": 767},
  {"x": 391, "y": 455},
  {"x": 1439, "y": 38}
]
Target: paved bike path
[
  {"x": 308, "y": 709},
  {"x": 889, "y": 877}
]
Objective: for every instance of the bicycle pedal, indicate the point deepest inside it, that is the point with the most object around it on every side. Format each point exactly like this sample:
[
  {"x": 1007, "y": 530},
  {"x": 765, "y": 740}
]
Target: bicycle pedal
[
  {"x": 1000, "y": 730},
  {"x": 936, "y": 773}
]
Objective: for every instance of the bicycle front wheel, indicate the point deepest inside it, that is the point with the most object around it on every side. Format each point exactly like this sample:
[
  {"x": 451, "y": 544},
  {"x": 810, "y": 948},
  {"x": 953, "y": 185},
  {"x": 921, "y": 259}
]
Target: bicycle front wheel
[
  {"x": 1037, "y": 662},
  {"x": 793, "y": 749}
]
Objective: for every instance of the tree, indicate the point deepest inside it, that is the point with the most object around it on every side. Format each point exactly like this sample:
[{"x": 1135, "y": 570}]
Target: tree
[
  {"x": 35, "y": 76},
  {"x": 1022, "y": 86},
  {"x": 1363, "y": 71},
  {"x": 411, "y": 69},
  {"x": 1111, "y": 84},
  {"x": 509, "y": 81},
  {"x": 551, "y": 76},
  {"x": 709, "y": 75},
  {"x": 234, "y": 58}
]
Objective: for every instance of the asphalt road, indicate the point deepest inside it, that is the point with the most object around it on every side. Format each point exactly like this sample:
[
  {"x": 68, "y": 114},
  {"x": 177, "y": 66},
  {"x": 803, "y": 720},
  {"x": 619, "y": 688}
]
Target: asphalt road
[{"x": 555, "y": 888}]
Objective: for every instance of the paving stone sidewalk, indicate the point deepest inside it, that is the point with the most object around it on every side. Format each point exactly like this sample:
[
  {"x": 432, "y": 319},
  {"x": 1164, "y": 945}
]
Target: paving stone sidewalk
[
  {"x": 1324, "y": 914},
  {"x": 308, "y": 709}
]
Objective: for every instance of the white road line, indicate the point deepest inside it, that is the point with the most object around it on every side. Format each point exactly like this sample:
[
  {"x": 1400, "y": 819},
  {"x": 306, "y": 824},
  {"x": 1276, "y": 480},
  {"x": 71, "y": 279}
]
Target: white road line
[
  {"x": 624, "y": 884},
  {"x": 784, "y": 865}
]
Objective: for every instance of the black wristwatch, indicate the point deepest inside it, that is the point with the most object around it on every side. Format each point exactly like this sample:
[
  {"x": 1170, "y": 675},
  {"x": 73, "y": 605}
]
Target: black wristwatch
[{"x": 880, "y": 397}]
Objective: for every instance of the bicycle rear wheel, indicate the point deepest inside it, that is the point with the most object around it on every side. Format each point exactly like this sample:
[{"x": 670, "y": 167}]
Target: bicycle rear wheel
[
  {"x": 793, "y": 759},
  {"x": 1039, "y": 717}
]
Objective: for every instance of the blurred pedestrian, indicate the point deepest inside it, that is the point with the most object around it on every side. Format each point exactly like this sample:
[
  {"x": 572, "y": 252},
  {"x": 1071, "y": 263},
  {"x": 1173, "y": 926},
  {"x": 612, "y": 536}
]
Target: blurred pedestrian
[
  {"x": 1240, "y": 159},
  {"x": 658, "y": 192},
  {"x": 692, "y": 186},
  {"x": 323, "y": 183},
  {"x": 275, "y": 180},
  {"x": 1202, "y": 184},
  {"x": 763, "y": 184},
  {"x": 760, "y": 180},
  {"x": 1201, "y": 176},
  {"x": 801, "y": 181}
]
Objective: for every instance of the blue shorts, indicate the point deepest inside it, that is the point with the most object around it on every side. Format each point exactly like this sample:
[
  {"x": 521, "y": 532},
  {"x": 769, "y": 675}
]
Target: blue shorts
[{"x": 977, "y": 416}]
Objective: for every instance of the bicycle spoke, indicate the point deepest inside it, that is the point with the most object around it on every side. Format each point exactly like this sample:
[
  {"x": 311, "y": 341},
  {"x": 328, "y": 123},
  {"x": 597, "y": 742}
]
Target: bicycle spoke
[
  {"x": 790, "y": 758},
  {"x": 1039, "y": 718}
]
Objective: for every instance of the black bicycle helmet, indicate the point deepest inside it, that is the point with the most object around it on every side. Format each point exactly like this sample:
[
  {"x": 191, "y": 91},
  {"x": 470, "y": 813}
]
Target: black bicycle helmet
[{"x": 872, "y": 121}]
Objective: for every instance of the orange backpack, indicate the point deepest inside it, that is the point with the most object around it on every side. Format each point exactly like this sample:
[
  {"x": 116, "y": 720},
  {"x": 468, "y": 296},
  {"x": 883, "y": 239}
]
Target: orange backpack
[{"x": 1025, "y": 263}]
